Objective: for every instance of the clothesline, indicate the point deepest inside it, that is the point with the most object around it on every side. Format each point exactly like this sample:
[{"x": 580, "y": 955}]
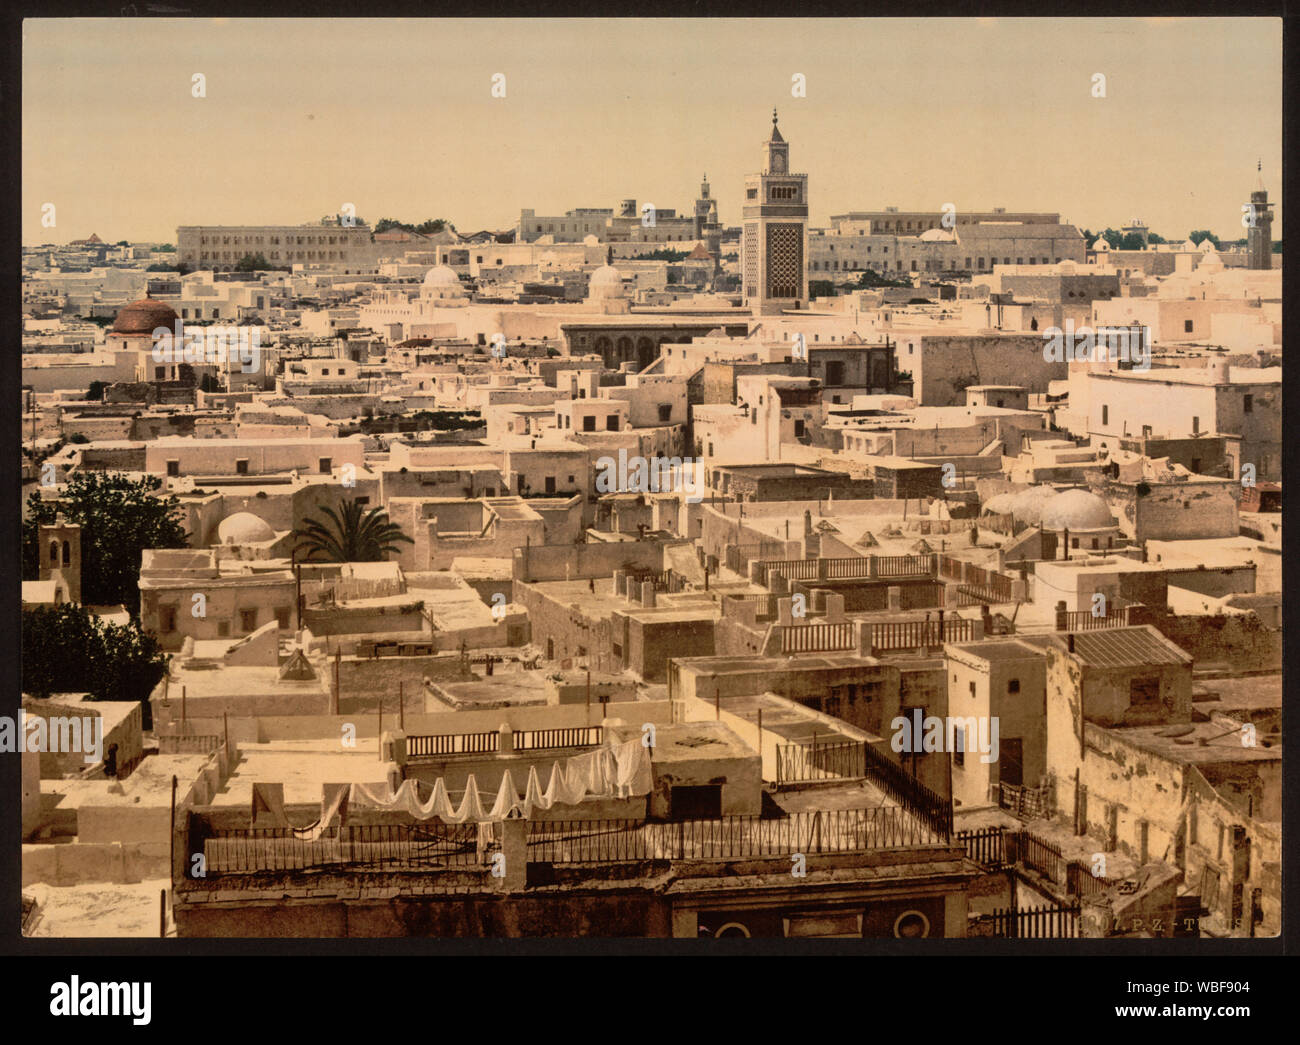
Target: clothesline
[{"x": 612, "y": 771}]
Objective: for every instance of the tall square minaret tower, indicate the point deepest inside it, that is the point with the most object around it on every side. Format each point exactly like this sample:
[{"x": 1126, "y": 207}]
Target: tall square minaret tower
[{"x": 774, "y": 241}]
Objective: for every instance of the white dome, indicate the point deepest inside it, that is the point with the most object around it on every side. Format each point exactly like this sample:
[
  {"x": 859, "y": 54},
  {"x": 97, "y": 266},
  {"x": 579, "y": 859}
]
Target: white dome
[
  {"x": 243, "y": 528},
  {"x": 1002, "y": 504},
  {"x": 1077, "y": 510},
  {"x": 441, "y": 276},
  {"x": 1027, "y": 505},
  {"x": 1100, "y": 244},
  {"x": 606, "y": 276}
]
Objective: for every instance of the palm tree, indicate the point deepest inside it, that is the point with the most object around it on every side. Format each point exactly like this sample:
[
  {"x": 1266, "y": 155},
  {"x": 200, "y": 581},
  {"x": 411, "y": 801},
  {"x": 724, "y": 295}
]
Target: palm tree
[{"x": 348, "y": 535}]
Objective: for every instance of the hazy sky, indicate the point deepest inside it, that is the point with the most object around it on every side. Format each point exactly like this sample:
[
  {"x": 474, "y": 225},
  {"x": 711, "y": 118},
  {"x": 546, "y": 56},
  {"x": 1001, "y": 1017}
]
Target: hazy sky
[{"x": 397, "y": 117}]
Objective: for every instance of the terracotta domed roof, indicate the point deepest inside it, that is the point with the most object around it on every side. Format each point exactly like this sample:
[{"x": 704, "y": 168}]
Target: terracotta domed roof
[{"x": 144, "y": 316}]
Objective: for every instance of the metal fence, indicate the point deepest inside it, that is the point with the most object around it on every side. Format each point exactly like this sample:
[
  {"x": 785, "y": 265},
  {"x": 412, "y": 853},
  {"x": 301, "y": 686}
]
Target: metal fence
[
  {"x": 377, "y": 847},
  {"x": 806, "y": 763},
  {"x": 986, "y": 847},
  {"x": 1037, "y": 923}
]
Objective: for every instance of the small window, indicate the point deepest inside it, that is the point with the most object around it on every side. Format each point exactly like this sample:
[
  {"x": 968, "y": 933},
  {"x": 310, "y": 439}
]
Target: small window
[
  {"x": 611, "y": 423},
  {"x": 1074, "y": 542},
  {"x": 1196, "y": 425},
  {"x": 666, "y": 411},
  {"x": 1187, "y": 326},
  {"x": 572, "y": 480},
  {"x": 325, "y": 465},
  {"x": 1248, "y": 403},
  {"x": 241, "y": 466},
  {"x": 550, "y": 484},
  {"x": 223, "y": 629},
  {"x": 248, "y": 620},
  {"x": 167, "y": 619},
  {"x": 1105, "y": 415},
  {"x": 589, "y": 423},
  {"x": 799, "y": 428},
  {"x": 959, "y": 747},
  {"x": 282, "y": 618},
  {"x": 1144, "y": 691},
  {"x": 173, "y": 468},
  {"x": 1013, "y": 686}
]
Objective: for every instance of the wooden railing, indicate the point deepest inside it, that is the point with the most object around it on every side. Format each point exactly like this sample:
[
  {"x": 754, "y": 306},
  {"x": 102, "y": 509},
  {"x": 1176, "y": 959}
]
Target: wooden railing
[
  {"x": 1083, "y": 620},
  {"x": 817, "y": 638},
  {"x": 179, "y": 744},
  {"x": 453, "y": 744},
  {"x": 576, "y": 736},
  {"x": 915, "y": 634},
  {"x": 728, "y": 837},
  {"x": 904, "y": 565}
]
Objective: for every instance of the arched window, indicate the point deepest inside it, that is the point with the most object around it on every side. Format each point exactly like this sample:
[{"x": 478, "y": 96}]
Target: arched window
[
  {"x": 67, "y": 554},
  {"x": 54, "y": 553}
]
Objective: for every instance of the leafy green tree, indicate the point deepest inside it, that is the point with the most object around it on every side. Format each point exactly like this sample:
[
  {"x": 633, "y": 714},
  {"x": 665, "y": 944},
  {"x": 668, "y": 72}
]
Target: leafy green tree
[
  {"x": 821, "y": 288},
  {"x": 68, "y": 649},
  {"x": 1112, "y": 236},
  {"x": 119, "y": 517},
  {"x": 1199, "y": 236},
  {"x": 78, "y": 438},
  {"x": 160, "y": 266},
  {"x": 1154, "y": 238},
  {"x": 1130, "y": 241},
  {"x": 96, "y": 391},
  {"x": 349, "y": 535},
  {"x": 165, "y": 248},
  {"x": 252, "y": 263}
]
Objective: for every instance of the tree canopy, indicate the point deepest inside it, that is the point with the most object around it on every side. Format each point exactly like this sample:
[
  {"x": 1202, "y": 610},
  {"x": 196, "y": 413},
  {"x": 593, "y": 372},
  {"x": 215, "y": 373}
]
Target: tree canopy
[
  {"x": 119, "y": 518},
  {"x": 68, "y": 649}
]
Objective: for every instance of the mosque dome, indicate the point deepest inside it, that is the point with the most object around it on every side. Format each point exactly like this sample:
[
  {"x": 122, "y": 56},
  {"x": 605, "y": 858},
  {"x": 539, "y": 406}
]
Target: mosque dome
[
  {"x": 243, "y": 528},
  {"x": 144, "y": 317},
  {"x": 1002, "y": 504},
  {"x": 605, "y": 282},
  {"x": 1027, "y": 505},
  {"x": 606, "y": 276},
  {"x": 1076, "y": 510},
  {"x": 1100, "y": 244},
  {"x": 1207, "y": 246},
  {"x": 441, "y": 276}
]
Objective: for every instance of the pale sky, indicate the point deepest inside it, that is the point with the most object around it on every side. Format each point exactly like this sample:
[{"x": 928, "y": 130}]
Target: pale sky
[{"x": 397, "y": 117}]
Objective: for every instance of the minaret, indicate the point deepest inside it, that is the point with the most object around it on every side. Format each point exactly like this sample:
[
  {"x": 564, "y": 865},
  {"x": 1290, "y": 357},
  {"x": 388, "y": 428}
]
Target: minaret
[
  {"x": 1259, "y": 233},
  {"x": 707, "y": 228},
  {"x": 774, "y": 243}
]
